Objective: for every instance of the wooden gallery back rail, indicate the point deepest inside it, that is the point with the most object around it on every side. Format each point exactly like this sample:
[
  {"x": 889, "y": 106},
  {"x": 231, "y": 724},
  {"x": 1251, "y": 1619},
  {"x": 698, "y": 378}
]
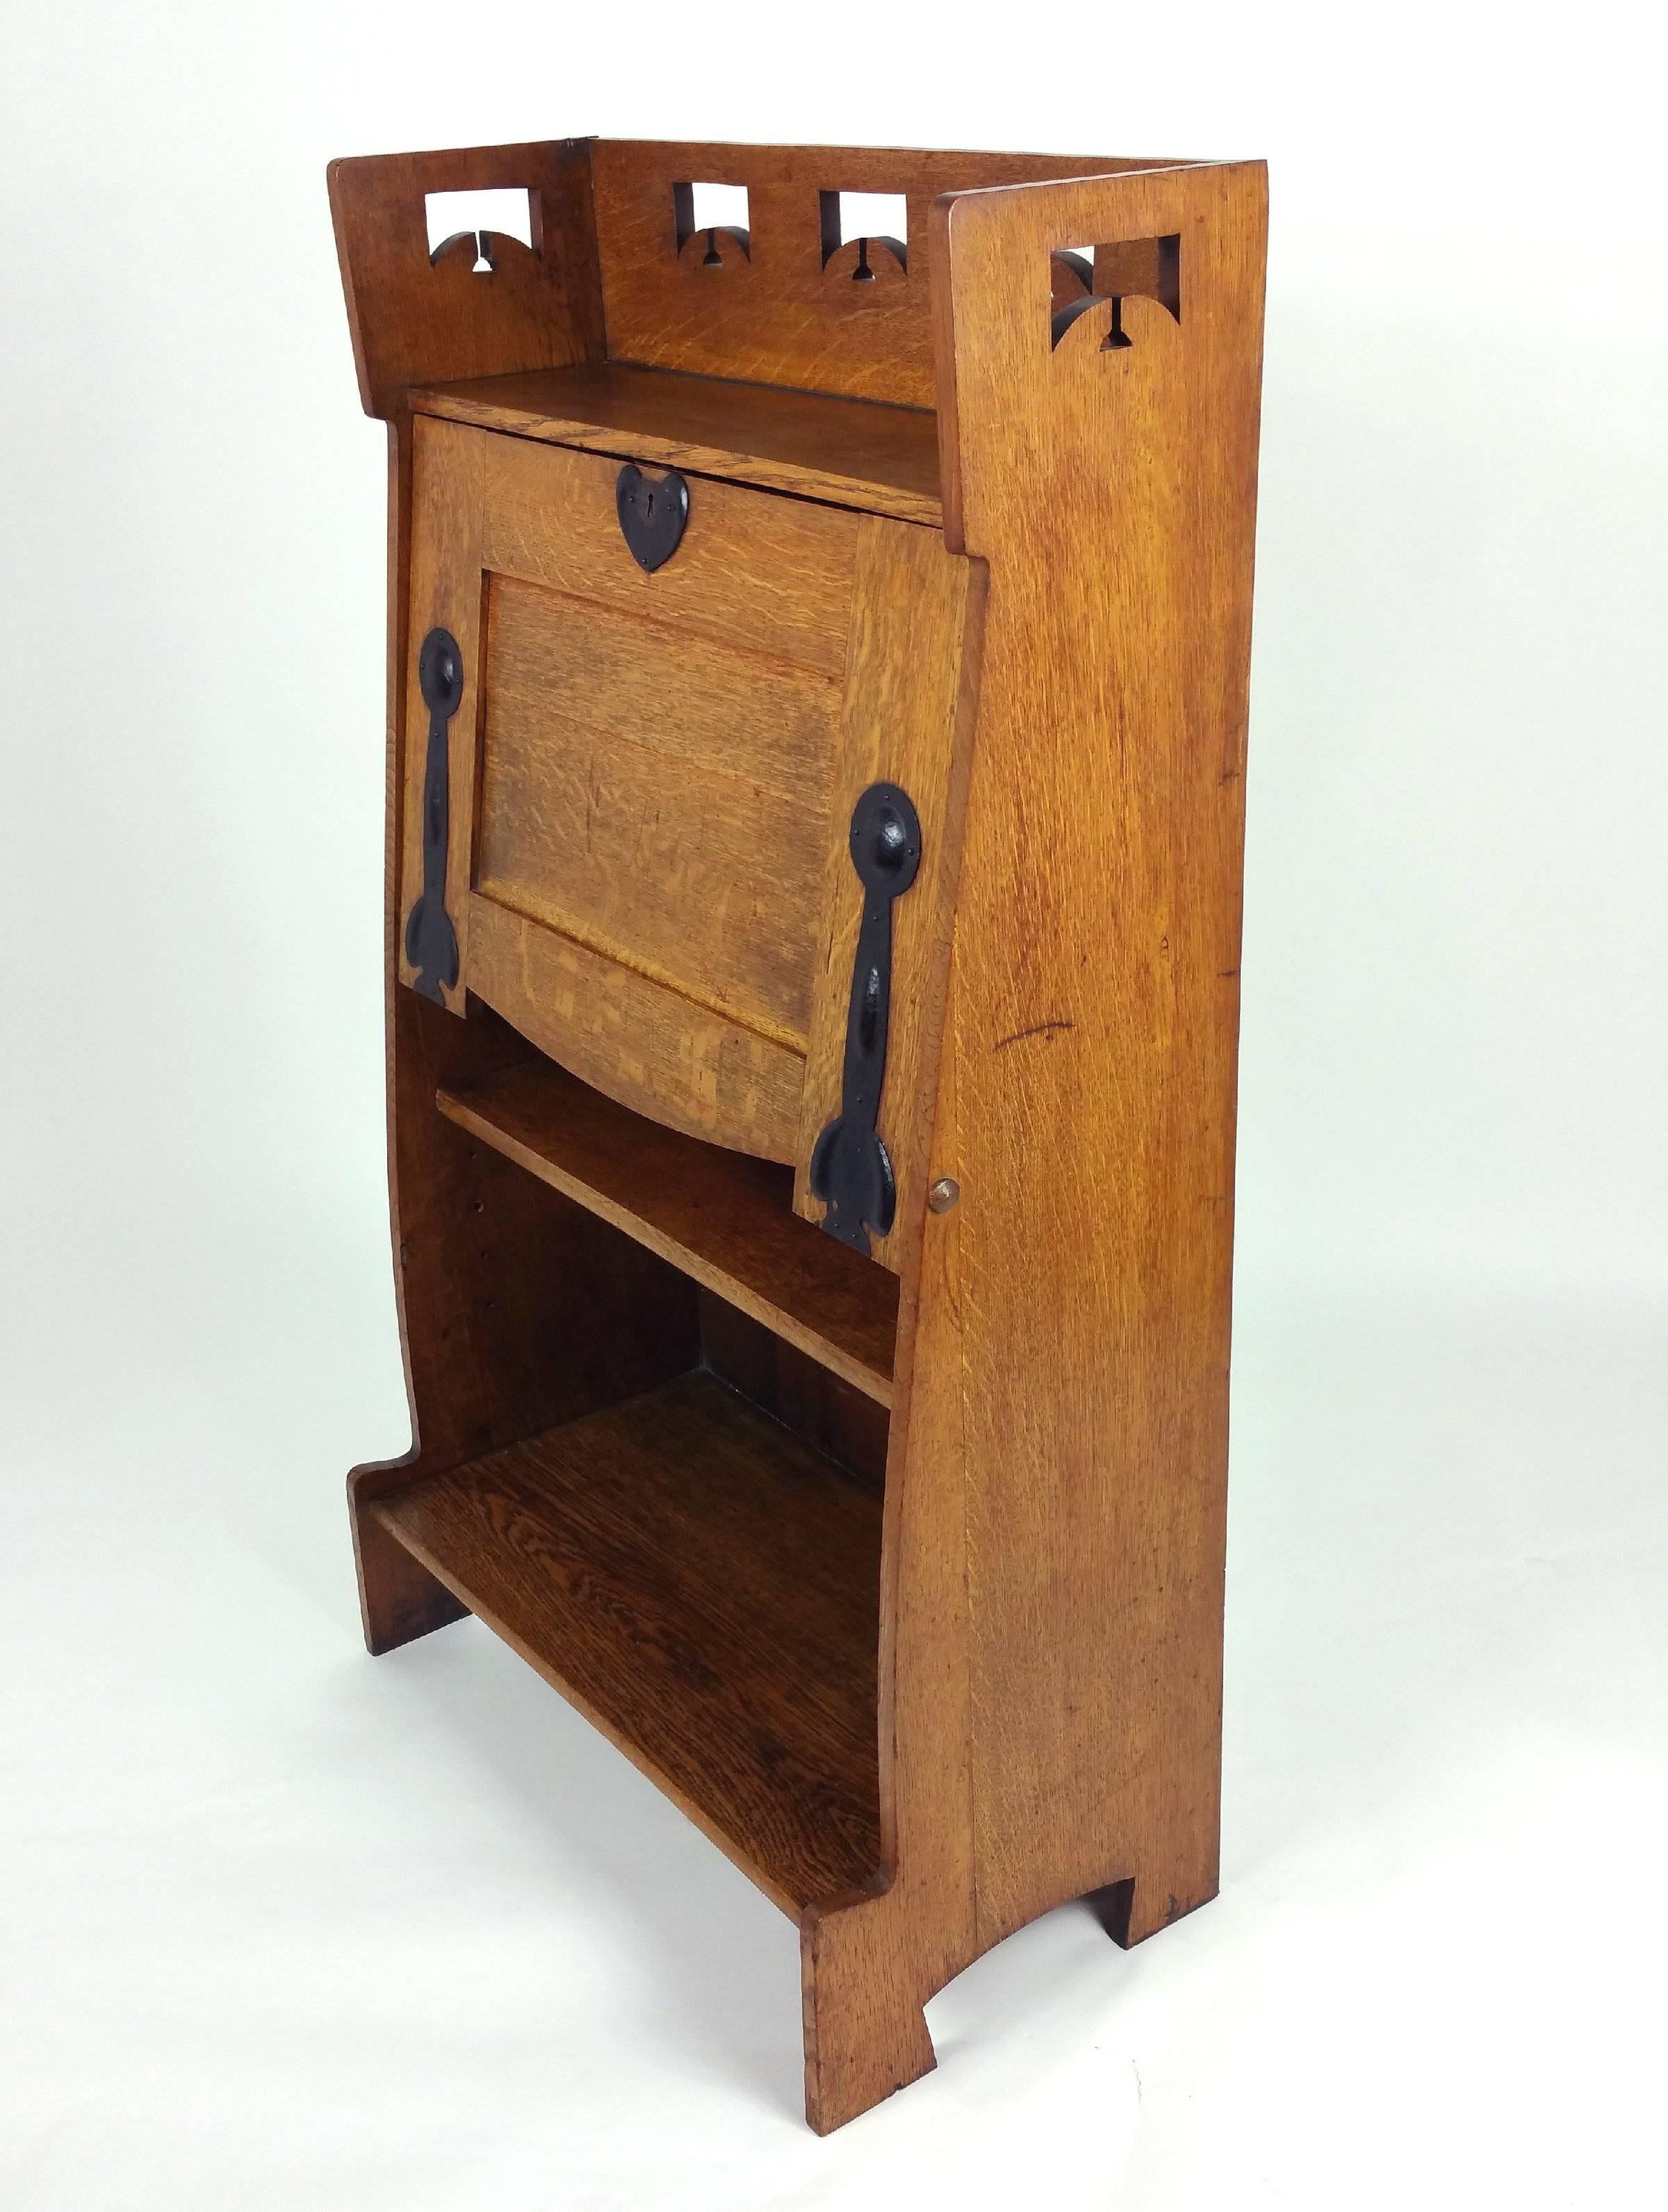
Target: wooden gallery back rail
[{"x": 817, "y": 715}]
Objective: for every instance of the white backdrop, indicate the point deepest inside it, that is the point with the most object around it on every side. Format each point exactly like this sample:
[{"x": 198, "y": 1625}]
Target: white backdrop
[{"x": 284, "y": 1927}]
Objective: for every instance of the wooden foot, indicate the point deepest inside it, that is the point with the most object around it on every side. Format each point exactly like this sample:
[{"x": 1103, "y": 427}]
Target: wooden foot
[
  {"x": 864, "y": 2030},
  {"x": 398, "y": 1600},
  {"x": 1132, "y": 1909}
]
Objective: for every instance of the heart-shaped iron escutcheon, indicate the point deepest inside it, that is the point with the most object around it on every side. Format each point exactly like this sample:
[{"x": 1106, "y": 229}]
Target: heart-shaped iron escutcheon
[{"x": 652, "y": 515}]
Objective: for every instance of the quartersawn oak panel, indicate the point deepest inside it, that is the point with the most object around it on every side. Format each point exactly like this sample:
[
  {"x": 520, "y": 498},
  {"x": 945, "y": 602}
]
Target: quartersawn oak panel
[
  {"x": 706, "y": 1589},
  {"x": 663, "y": 798},
  {"x": 1109, "y": 782},
  {"x": 855, "y": 453},
  {"x": 638, "y": 1040},
  {"x": 723, "y": 1218}
]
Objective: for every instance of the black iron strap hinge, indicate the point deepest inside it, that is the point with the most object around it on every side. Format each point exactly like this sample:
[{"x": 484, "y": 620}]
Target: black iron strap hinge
[
  {"x": 851, "y": 1170},
  {"x": 431, "y": 943}
]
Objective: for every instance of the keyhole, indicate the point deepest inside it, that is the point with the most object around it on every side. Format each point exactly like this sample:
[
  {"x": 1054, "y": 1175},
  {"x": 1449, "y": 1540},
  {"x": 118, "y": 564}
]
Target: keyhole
[{"x": 869, "y": 1021}]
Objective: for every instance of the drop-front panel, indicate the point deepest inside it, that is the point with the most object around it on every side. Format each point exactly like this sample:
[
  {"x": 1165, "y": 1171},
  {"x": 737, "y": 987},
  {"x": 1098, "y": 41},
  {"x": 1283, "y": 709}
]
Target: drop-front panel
[{"x": 650, "y": 775}]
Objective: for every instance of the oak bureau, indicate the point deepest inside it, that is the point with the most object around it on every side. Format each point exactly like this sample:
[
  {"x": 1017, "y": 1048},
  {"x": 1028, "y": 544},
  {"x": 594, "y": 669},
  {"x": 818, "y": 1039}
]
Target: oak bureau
[{"x": 817, "y": 715}]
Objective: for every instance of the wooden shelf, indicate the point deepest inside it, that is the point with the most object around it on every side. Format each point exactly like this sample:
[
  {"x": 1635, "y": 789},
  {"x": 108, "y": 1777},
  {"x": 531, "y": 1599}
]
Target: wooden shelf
[
  {"x": 852, "y": 453},
  {"x": 705, "y": 1588},
  {"x": 724, "y": 1218}
]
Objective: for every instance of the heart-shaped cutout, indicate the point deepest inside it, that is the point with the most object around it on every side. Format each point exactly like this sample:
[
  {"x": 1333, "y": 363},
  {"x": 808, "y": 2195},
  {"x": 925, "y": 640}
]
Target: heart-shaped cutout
[{"x": 652, "y": 515}]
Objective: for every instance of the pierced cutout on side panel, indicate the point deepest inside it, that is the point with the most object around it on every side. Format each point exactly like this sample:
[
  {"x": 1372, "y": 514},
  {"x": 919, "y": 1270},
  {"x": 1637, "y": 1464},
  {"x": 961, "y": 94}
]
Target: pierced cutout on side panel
[
  {"x": 1071, "y": 276},
  {"x": 1085, "y": 276},
  {"x": 710, "y": 224},
  {"x": 865, "y": 236},
  {"x": 488, "y": 219}
]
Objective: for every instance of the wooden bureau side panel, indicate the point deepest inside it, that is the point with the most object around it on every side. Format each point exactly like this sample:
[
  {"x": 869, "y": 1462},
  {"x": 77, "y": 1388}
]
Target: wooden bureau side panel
[
  {"x": 1094, "y": 1028},
  {"x": 417, "y": 319},
  {"x": 637, "y": 1039},
  {"x": 770, "y": 574},
  {"x": 661, "y": 797},
  {"x": 1051, "y": 1609},
  {"x": 910, "y": 692},
  {"x": 445, "y": 593}
]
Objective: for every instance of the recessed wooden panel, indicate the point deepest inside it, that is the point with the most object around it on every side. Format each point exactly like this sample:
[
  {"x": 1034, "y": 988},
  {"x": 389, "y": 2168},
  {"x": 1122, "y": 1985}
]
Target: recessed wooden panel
[{"x": 661, "y": 797}]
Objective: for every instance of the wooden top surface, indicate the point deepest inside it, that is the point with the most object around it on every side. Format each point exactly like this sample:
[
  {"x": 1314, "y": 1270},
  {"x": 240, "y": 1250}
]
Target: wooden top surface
[
  {"x": 860, "y": 453},
  {"x": 706, "y": 1589}
]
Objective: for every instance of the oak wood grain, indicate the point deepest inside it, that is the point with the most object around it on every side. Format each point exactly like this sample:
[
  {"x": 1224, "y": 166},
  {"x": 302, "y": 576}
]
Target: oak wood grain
[
  {"x": 414, "y": 321},
  {"x": 911, "y": 680},
  {"x": 723, "y": 1218},
  {"x": 853, "y": 453},
  {"x": 842, "y": 1419},
  {"x": 704, "y": 1587},
  {"x": 637, "y": 1038},
  {"x": 1052, "y": 1588},
  {"x": 663, "y": 798},
  {"x": 1111, "y": 740},
  {"x": 782, "y": 314},
  {"x": 773, "y": 575}
]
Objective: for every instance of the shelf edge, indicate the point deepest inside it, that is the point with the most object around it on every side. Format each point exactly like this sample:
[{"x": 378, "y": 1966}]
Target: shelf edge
[
  {"x": 861, "y": 494},
  {"x": 387, "y": 1513},
  {"x": 457, "y": 1108}
]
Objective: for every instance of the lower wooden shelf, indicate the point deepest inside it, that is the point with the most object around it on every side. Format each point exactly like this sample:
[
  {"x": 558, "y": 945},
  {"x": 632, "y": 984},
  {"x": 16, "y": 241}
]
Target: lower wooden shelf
[{"x": 705, "y": 1588}]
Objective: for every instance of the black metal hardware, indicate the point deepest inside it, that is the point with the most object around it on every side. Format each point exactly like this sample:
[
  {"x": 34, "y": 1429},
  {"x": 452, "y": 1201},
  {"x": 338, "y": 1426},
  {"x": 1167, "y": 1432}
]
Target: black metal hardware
[
  {"x": 652, "y": 515},
  {"x": 431, "y": 943},
  {"x": 851, "y": 1168}
]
